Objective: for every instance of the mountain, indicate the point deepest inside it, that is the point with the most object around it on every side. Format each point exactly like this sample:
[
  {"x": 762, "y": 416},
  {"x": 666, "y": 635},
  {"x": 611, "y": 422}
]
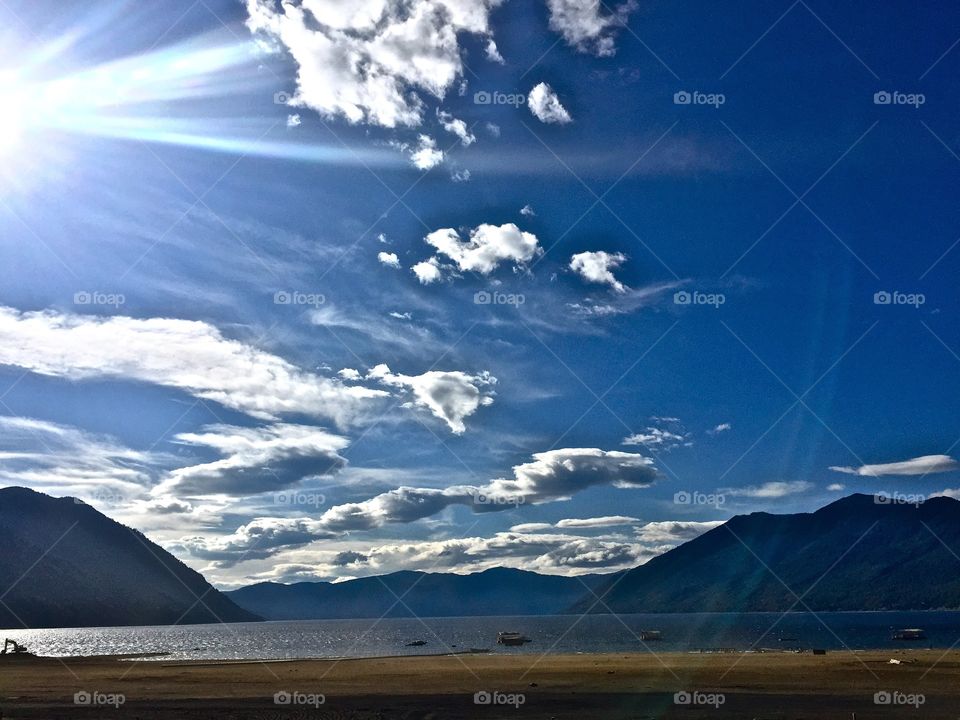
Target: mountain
[
  {"x": 64, "y": 564},
  {"x": 500, "y": 591},
  {"x": 854, "y": 554}
]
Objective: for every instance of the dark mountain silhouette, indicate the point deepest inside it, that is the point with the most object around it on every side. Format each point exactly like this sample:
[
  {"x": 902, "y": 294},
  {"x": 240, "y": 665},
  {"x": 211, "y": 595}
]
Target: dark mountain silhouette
[
  {"x": 64, "y": 564},
  {"x": 854, "y": 554},
  {"x": 501, "y": 591}
]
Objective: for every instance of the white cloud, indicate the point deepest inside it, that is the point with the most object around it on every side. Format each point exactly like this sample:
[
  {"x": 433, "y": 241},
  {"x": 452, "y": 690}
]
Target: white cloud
[
  {"x": 428, "y": 271},
  {"x": 493, "y": 129},
  {"x": 256, "y": 460},
  {"x": 349, "y": 374},
  {"x": 450, "y": 396},
  {"x": 388, "y": 259},
  {"x": 925, "y": 465},
  {"x": 836, "y": 487},
  {"x": 586, "y": 25},
  {"x": 493, "y": 53},
  {"x": 527, "y": 211},
  {"x": 768, "y": 490},
  {"x": 487, "y": 248},
  {"x": 399, "y": 315},
  {"x": 372, "y": 61},
  {"x": 187, "y": 355},
  {"x": 655, "y": 438},
  {"x": 62, "y": 459},
  {"x": 597, "y": 522},
  {"x": 293, "y": 120},
  {"x": 457, "y": 127},
  {"x": 551, "y": 476},
  {"x": 674, "y": 531},
  {"x": 722, "y": 427},
  {"x": 460, "y": 176},
  {"x": 426, "y": 155},
  {"x": 546, "y": 106},
  {"x": 598, "y": 267}
]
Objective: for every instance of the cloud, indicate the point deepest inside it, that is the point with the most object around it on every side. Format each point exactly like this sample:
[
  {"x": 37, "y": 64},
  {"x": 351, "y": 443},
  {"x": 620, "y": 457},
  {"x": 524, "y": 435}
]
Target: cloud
[
  {"x": 553, "y": 554},
  {"x": 655, "y": 438},
  {"x": 722, "y": 427},
  {"x": 389, "y": 259},
  {"x": 631, "y": 300},
  {"x": 256, "y": 460},
  {"x": 597, "y": 522},
  {"x": 428, "y": 271},
  {"x": 487, "y": 247},
  {"x": 527, "y": 211},
  {"x": 426, "y": 155},
  {"x": 371, "y": 62},
  {"x": 457, "y": 127},
  {"x": 293, "y": 120},
  {"x": 551, "y": 476},
  {"x": 187, "y": 355},
  {"x": 674, "y": 531},
  {"x": 836, "y": 487},
  {"x": 770, "y": 489},
  {"x": 460, "y": 176},
  {"x": 493, "y": 53},
  {"x": 598, "y": 267},
  {"x": 493, "y": 129},
  {"x": 924, "y": 465},
  {"x": 349, "y": 374},
  {"x": 585, "y": 26},
  {"x": 450, "y": 396},
  {"x": 546, "y": 106},
  {"x": 62, "y": 459}
]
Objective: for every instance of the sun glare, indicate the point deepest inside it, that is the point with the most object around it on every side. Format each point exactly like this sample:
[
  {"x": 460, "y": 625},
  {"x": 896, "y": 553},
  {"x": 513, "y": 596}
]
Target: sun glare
[{"x": 12, "y": 109}]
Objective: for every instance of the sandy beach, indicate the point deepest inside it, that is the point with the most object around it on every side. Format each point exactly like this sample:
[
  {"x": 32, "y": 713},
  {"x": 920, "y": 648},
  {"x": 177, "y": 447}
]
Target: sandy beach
[{"x": 731, "y": 685}]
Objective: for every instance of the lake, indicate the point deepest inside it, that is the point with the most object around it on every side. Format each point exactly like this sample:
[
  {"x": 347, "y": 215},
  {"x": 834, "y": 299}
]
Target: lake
[{"x": 552, "y": 634}]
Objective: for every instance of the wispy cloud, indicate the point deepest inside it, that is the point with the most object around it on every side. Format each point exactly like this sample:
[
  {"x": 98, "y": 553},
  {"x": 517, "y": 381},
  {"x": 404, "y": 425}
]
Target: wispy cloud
[{"x": 924, "y": 465}]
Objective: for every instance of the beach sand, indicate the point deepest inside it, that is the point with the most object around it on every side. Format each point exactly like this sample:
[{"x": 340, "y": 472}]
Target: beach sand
[{"x": 755, "y": 685}]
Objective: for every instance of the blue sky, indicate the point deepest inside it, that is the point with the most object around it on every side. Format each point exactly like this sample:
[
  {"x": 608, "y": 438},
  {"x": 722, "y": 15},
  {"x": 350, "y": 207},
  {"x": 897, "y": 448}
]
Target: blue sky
[{"x": 493, "y": 294}]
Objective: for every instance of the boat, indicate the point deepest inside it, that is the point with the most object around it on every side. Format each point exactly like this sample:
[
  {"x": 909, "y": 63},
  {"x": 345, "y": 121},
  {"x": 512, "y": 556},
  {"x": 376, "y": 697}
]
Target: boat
[
  {"x": 417, "y": 643},
  {"x": 512, "y": 638},
  {"x": 909, "y": 634},
  {"x": 650, "y": 635}
]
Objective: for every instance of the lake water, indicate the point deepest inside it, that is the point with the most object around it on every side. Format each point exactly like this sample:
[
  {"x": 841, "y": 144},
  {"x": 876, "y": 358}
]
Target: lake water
[{"x": 554, "y": 634}]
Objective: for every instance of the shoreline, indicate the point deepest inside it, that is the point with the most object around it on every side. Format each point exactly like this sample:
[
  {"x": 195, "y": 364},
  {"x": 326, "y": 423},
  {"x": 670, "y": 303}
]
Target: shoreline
[{"x": 609, "y": 685}]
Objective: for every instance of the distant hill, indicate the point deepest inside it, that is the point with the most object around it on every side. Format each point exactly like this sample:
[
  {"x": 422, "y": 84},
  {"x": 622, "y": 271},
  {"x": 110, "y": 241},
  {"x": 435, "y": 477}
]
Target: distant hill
[
  {"x": 501, "y": 591},
  {"x": 63, "y": 564},
  {"x": 853, "y": 554}
]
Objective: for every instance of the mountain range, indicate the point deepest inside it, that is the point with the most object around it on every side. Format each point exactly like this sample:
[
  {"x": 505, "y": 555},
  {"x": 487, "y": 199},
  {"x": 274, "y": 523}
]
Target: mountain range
[
  {"x": 862, "y": 552},
  {"x": 499, "y": 591},
  {"x": 64, "y": 564}
]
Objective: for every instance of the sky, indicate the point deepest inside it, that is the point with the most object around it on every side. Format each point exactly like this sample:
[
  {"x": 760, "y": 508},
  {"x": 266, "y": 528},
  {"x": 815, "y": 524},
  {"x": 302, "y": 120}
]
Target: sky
[{"x": 330, "y": 289}]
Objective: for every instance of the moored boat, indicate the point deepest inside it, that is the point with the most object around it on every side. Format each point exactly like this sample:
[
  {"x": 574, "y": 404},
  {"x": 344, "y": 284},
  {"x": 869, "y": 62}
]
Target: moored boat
[{"x": 512, "y": 638}]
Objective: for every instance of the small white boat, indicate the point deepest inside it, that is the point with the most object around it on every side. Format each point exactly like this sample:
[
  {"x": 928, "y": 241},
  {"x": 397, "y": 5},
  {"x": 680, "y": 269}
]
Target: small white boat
[
  {"x": 512, "y": 638},
  {"x": 909, "y": 634}
]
